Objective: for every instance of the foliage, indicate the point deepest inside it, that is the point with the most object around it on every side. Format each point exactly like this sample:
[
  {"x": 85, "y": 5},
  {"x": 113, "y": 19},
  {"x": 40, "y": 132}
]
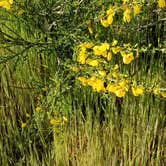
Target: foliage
[{"x": 95, "y": 64}]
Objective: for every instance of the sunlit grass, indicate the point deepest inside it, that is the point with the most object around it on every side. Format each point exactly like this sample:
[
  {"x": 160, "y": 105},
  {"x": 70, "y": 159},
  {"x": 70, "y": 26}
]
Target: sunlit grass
[{"x": 135, "y": 136}]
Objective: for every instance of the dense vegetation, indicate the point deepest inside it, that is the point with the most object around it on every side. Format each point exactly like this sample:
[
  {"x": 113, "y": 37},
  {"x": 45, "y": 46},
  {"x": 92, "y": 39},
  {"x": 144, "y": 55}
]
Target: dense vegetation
[{"x": 82, "y": 82}]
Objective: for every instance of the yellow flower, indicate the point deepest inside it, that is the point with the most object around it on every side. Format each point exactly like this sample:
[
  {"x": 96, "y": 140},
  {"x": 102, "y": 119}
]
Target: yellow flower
[
  {"x": 137, "y": 91},
  {"x": 110, "y": 19},
  {"x": 82, "y": 57},
  {"x": 124, "y": 84},
  {"x": 10, "y": 1},
  {"x": 120, "y": 92},
  {"x": 91, "y": 80},
  {"x": 128, "y": 58},
  {"x": 111, "y": 11},
  {"x": 119, "y": 89},
  {"x": 101, "y": 49},
  {"x": 115, "y": 50},
  {"x": 137, "y": 9},
  {"x": 102, "y": 73},
  {"x": 127, "y": 16},
  {"x": 109, "y": 56},
  {"x": 6, "y": 4},
  {"x": 23, "y": 125},
  {"x": 55, "y": 121},
  {"x": 116, "y": 89},
  {"x": 105, "y": 46},
  {"x": 96, "y": 84},
  {"x": 82, "y": 48},
  {"x": 92, "y": 62},
  {"x": 163, "y": 94},
  {"x": 116, "y": 67},
  {"x": 86, "y": 45},
  {"x": 75, "y": 69},
  {"x": 112, "y": 87},
  {"x": 99, "y": 85},
  {"x": 161, "y": 3},
  {"x": 27, "y": 115},
  {"x": 64, "y": 119},
  {"x": 83, "y": 80},
  {"x": 115, "y": 75},
  {"x": 104, "y": 23},
  {"x": 96, "y": 50},
  {"x": 125, "y": 1},
  {"x": 38, "y": 108},
  {"x": 123, "y": 53},
  {"x": 114, "y": 43},
  {"x": 156, "y": 91}
]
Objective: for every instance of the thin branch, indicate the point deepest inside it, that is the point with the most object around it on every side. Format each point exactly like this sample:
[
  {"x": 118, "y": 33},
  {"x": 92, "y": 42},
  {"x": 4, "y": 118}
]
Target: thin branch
[{"x": 151, "y": 24}]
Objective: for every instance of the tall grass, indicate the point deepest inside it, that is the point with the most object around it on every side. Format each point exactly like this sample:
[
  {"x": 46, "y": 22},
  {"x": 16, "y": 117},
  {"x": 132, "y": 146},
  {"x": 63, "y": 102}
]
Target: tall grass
[{"x": 136, "y": 137}]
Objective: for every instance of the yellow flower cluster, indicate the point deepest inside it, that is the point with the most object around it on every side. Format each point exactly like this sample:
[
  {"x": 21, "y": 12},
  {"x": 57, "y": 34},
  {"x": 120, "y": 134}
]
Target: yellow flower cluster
[
  {"x": 104, "y": 50},
  {"x": 161, "y": 3},
  {"x": 94, "y": 68},
  {"x": 127, "y": 57},
  {"x": 6, "y": 4},
  {"x": 137, "y": 9},
  {"x": 116, "y": 83},
  {"x": 92, "y": 62},
  {"x": 96, "y": 84},
  {"x": 127, "y": 7},
  {"x": 127, "y": 15},
  {"x": 119, "y": 89},
  {"x": 83, "y": 52},
  {"x": 91, "y": 54},
  {"x": 82, "y": 55},
  {"x": 109, "y": 17}
]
